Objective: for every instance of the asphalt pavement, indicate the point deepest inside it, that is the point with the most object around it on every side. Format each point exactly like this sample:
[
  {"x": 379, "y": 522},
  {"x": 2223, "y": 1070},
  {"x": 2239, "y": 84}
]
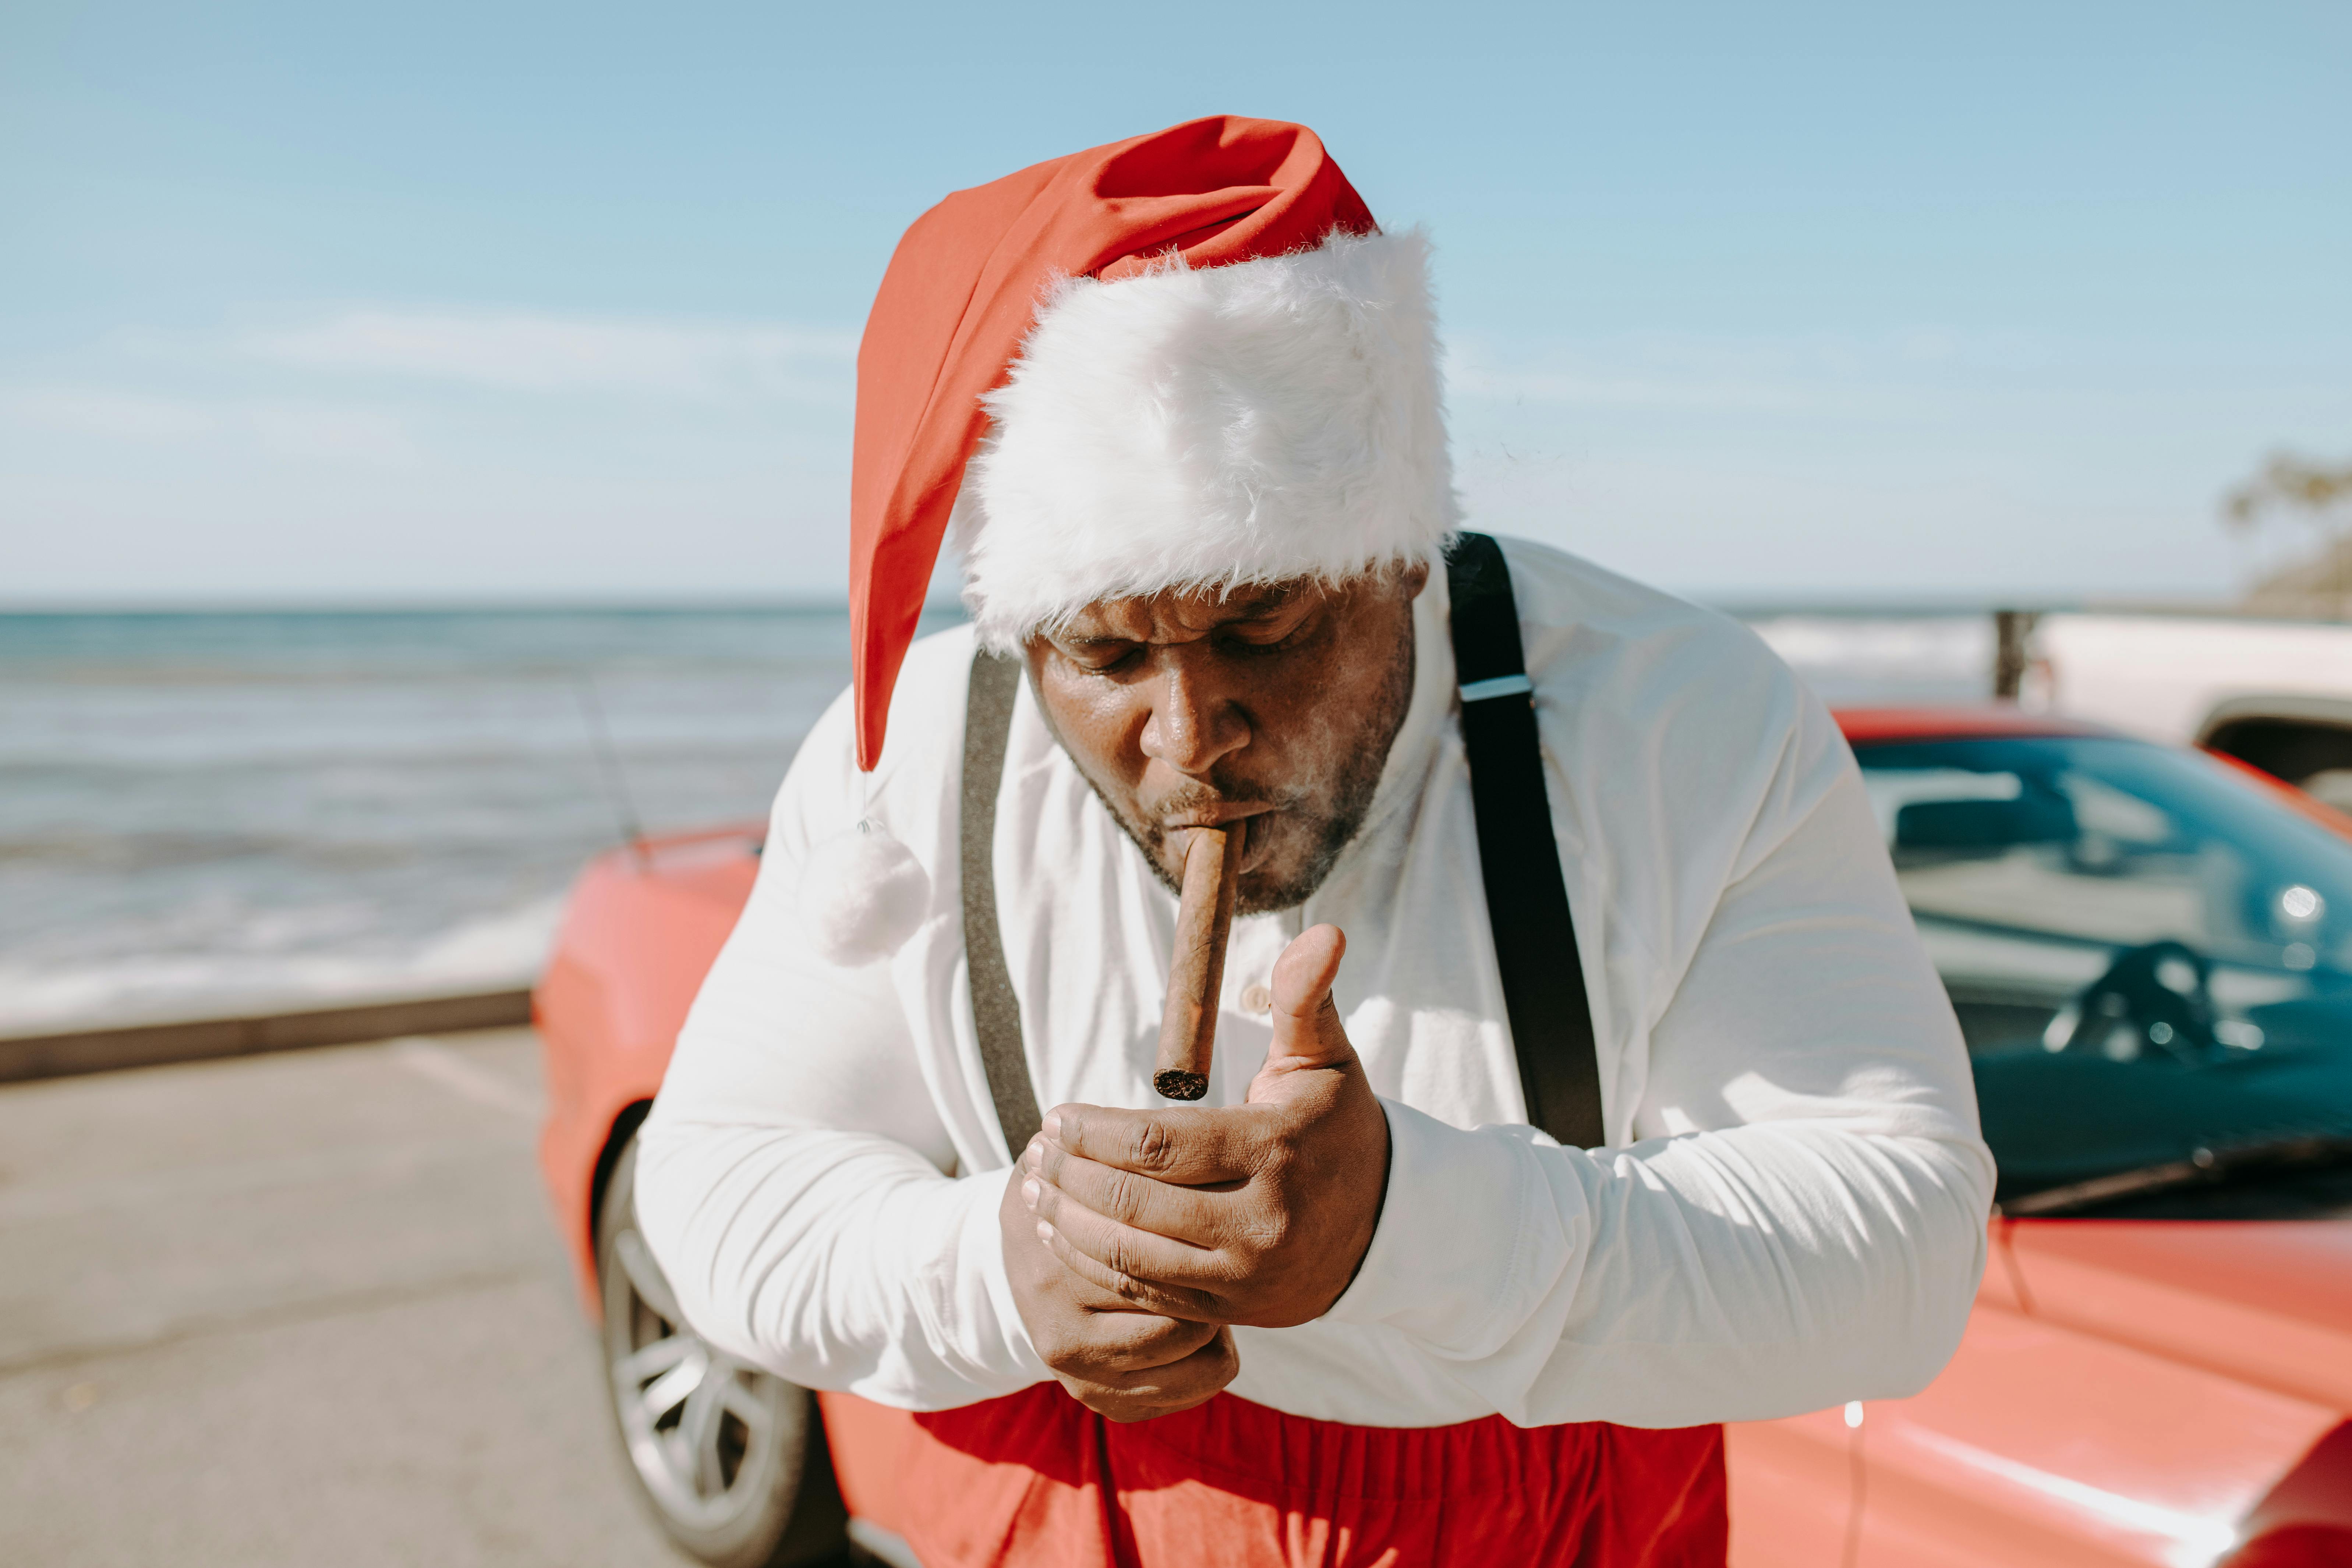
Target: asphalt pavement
[{"x": 298, "y": 1309}]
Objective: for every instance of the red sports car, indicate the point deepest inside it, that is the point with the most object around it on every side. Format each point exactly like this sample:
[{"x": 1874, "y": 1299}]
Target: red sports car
[{"x": 2150, "y": 953}]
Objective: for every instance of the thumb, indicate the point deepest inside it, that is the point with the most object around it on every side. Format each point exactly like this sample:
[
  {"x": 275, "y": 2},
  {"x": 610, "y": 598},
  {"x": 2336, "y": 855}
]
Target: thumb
[{"x": 1307, "y": 1029}]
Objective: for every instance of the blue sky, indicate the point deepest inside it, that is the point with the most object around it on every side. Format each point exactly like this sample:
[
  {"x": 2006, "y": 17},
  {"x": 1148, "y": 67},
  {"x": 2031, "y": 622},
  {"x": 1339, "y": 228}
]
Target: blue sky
[{"x": 304, "y": 302}]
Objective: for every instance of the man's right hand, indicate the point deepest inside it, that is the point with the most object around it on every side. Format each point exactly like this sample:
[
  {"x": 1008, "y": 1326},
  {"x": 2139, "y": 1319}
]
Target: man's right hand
[{"x": 1125, "y": 1365}]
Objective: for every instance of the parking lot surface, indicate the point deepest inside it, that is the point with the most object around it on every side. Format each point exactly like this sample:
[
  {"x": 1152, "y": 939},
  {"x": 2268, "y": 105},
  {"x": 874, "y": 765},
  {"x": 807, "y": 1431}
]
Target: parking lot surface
[{"x": 298, "y": 1309}]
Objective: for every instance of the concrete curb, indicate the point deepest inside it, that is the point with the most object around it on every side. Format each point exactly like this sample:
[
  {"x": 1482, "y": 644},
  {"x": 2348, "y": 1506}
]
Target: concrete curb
[{"x": 29, "y": 1057}]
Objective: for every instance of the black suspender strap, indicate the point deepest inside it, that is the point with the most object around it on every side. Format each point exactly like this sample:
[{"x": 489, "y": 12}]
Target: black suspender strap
[
  {"x": 995, "y": 1010},
  {"x": 1527, "y": 895}
]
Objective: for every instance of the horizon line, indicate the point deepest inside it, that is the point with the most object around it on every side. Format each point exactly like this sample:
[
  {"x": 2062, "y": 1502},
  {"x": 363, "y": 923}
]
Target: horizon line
[{"x": 1746, "y": 605}]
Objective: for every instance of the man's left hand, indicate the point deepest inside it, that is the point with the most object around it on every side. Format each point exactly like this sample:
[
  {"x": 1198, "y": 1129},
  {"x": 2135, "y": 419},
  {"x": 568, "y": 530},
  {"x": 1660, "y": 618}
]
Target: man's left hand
[{"x": 1259, "y": 1214}]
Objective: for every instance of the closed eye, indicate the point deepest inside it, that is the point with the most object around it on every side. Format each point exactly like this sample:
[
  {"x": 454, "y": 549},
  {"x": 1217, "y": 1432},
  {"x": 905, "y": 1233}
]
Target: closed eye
[
  {"x": 1110, "y": 655},
  {"x": 1275, "y": 634}
]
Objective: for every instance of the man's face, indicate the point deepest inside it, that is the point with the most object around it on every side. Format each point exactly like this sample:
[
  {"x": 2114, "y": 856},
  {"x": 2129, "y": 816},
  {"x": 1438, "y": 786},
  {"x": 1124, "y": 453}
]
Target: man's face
[{"x": 1275, "y": 706}]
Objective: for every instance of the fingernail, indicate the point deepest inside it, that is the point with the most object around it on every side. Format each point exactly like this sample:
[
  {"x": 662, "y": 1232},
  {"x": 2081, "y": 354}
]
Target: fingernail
[
  {"x": 1052, "y": 1127},
  {"x": 1029, "y": 1190},
  {"x": 1044, "y": 1233}
]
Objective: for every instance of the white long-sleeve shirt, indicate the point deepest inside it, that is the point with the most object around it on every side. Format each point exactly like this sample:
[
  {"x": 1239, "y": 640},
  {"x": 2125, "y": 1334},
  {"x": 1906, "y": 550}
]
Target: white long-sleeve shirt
[{"x": 1790, "y": 1209}]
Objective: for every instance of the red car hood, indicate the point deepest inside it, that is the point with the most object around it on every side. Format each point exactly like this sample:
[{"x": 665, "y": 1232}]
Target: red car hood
[{"x": 2268, "y": 1301}]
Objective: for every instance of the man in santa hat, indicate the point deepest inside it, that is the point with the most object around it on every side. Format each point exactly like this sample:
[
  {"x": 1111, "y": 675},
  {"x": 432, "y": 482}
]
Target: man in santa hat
[{"x": 1581, "y": 1083}]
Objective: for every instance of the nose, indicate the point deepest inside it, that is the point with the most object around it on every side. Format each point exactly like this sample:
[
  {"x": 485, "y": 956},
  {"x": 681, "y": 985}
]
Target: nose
[{"x": 1192, "y": 725}]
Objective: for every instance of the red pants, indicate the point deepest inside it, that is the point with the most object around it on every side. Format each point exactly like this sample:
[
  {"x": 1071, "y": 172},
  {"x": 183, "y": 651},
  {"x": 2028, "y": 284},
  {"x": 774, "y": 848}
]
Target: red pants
[{"x": 1037, "y": 1480}]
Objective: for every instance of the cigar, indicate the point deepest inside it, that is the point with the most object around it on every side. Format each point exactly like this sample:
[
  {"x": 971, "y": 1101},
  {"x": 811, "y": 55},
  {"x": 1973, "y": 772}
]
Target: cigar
[{"x": 1188, "y": 1030}]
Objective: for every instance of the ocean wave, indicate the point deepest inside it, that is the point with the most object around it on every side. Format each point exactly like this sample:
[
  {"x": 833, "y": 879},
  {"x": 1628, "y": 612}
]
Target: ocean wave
[{"x": 493, "y": 951}]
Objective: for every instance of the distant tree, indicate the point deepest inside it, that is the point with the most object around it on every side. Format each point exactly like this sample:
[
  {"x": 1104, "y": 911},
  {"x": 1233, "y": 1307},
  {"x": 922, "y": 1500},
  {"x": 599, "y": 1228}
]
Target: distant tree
[{"x": 2320, "y": 496}]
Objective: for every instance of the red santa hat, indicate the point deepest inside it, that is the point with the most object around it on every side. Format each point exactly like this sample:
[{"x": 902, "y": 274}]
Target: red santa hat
[{"x": 1189, "y": 360}]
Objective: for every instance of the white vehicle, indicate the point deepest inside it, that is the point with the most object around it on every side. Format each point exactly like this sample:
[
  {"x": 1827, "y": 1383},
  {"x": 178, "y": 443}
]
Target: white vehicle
[{"x": 2272, "y": 693}]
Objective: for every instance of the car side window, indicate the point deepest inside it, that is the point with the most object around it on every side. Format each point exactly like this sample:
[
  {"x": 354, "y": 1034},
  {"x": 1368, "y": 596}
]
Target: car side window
[
  {"x": 2028, "y": 871},
  {"x": 2150, "y": 962}
]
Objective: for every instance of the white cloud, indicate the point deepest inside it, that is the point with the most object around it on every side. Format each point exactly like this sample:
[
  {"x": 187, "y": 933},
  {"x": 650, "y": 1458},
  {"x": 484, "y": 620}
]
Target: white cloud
[
  {"x": 1469, "y": 376},
  {"x": 531, "y": 353},
  {"x": 1822, "y": 376},
  {"x": 278, "y": 428},
  {"x": 306, "y": 432},
  {"x": 131, "y": 416}
]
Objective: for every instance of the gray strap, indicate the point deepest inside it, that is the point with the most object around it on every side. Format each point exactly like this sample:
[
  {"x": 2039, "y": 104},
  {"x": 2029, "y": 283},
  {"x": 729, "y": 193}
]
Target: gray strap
[{"x": 995, "y": 1010}]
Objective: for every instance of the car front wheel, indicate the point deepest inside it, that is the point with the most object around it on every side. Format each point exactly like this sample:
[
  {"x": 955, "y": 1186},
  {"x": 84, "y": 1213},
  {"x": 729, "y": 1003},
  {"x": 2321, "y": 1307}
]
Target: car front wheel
[{"x": 730, "y": 1458}]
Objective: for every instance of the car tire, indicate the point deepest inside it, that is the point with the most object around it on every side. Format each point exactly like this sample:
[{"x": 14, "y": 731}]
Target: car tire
[{"x": 730, "y": 1459}]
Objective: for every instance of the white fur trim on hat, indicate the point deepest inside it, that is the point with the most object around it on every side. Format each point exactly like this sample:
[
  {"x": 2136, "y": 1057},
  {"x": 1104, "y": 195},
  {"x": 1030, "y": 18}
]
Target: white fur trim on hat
[{"x": 1202, "y": 429}]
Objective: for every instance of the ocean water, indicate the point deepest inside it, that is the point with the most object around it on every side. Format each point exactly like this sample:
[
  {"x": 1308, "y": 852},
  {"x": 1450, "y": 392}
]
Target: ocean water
[
  {"x": 208, "y": 813},
  {"x": 1861, "y": 658},
  {"x": 212, "y": 812}
]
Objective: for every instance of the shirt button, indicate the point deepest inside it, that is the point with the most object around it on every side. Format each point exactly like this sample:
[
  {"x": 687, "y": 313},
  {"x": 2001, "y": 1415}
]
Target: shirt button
[{"x": 1258, "y": 998}]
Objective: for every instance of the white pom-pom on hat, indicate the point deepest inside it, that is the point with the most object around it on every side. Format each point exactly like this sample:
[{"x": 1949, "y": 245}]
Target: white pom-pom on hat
[{"x": 861, "y": 895}]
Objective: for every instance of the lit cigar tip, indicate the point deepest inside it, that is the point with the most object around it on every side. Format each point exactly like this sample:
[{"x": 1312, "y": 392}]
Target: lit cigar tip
[{"x": 1174, "y": 1083}]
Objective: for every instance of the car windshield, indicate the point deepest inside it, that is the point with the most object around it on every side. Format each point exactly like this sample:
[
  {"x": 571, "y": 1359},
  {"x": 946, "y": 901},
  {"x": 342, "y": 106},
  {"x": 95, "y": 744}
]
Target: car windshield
[{"x": 2152, "y": 962}]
